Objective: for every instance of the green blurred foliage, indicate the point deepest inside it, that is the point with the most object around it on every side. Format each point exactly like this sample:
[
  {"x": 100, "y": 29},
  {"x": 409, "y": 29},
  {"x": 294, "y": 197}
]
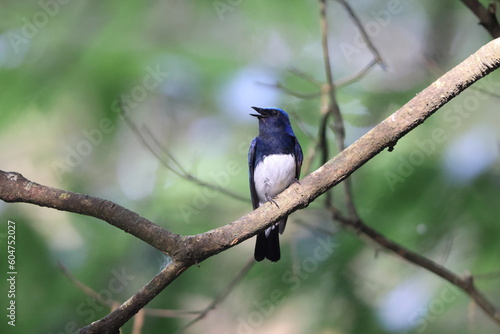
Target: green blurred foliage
[{"x": 188, "y": 73}]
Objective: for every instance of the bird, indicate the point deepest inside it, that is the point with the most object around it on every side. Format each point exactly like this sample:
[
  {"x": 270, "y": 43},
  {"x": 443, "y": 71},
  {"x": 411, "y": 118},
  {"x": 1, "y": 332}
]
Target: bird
[{"x": 274, "y": 161}]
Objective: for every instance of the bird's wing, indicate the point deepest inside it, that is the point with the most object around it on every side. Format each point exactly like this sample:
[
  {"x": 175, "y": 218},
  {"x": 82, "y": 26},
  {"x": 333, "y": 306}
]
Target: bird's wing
[
  {"x": 298, "y": 157},
  {"x": 251, "y": 169}
]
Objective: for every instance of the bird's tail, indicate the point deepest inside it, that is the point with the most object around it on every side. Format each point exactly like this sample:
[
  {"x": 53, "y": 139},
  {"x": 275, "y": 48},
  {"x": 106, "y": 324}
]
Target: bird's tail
[{"x": 268, "y": 245}]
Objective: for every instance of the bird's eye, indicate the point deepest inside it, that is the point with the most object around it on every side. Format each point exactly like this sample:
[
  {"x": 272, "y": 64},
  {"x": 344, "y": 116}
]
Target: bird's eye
[{"x": 275, "y": 112}]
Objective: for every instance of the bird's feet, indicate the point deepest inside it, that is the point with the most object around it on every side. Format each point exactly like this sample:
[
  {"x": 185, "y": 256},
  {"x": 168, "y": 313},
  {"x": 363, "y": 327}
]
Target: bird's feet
[{"x": 270, "y": 199}]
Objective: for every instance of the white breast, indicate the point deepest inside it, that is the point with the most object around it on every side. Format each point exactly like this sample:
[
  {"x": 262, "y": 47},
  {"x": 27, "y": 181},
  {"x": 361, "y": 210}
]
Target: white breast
[{"x": 273, "y": 175}]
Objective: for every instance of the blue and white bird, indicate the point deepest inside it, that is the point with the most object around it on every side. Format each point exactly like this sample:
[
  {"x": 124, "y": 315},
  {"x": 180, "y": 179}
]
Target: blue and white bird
[{"x": 274, "y": 160}]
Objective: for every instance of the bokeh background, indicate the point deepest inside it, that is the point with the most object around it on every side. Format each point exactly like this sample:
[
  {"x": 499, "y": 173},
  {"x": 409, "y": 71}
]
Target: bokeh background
[{"x": 187, "y": 74}]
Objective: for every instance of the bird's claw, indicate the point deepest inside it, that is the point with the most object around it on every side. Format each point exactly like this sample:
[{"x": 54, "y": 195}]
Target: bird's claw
[{"x": 270, "y": 199}]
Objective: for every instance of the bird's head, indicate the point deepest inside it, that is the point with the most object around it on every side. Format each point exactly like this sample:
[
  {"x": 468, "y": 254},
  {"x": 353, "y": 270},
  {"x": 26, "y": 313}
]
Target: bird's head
[{"x": 273, "y": 118}]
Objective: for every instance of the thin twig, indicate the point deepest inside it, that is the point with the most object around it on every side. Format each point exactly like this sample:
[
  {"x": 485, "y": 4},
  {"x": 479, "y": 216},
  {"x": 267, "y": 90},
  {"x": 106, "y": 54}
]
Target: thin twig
[
  {"x": 487, "y": 16},
  {"x": 308, "y": 160},
  {"x": 290, "y": 91},
  {"x": 482, "y": 90},
  {"x": 356, "y": 76},
  {"x": 333, "y": 109},
  {"x": 323, "y": 148},
  {"x": 327, "y": 107},
  {"x": 464, "y": 282},
  {"x": 447, "y": 250},
  {"x": 141, "y": 138},
  {"x": 315, "y": 228},
  {"x": 86, "y": 289},
  {"x": 177, "y": 169},
  {"x": 129, "y": 308},
  {"x": 165, "y": 151},
  {"x": 305, "y": 76},
  {"x": 301, "y": 124},
  {"x": 493, "y": 275},
  {"x": 221, "y": 296},
  {"x": 364, "y": 34},
  {"x": 152, "y": 312},
  {"x": 138, "y": 322}
]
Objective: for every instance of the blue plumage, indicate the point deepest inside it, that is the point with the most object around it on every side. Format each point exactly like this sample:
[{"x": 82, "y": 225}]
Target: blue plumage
[{"x": 274, "y": 161}]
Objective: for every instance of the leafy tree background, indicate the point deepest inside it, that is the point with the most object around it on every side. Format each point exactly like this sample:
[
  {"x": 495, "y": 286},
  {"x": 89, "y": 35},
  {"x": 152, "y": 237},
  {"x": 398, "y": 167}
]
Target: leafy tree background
[{"x": 60, "y": 83}]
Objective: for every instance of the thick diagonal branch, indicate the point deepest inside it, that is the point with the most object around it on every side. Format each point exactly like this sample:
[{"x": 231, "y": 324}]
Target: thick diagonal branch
[{"x": 16, "y": 188}]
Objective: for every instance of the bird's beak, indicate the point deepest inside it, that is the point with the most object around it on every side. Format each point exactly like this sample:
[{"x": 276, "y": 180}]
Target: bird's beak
[{"x": 261, "y": 113}]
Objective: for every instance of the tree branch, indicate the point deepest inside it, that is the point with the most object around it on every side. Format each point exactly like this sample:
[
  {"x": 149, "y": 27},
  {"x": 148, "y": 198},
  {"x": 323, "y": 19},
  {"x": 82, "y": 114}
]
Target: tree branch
[
  {"x": 377, "y": 58},
  {"x": 15, "y": 188},
  {"x": 161, "y": 313},
  {"x": 111, "y": 323},
  {"x": 188, "y": 250},
  {"x": 487, "y": 17},
  {"x": 333, "y": 106},
  {"x": 171, "y": 163},
  {"x": 465, "y": 282},
  {"x": 221, "y": 296}
]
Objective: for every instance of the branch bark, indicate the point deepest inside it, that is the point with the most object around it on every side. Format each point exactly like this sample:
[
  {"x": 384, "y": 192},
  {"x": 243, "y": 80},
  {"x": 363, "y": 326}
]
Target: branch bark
[
  {"x": 111, "y": 323},
  {"x": 16, "y": 188},
  {"x": 188, "y": 250},
  {"x": 464, "y": 282}
]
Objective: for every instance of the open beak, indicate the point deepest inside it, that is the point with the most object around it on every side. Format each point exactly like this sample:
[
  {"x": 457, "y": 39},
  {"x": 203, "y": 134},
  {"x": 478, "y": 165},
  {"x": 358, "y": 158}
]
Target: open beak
[{"x": 261, "y": 113}]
